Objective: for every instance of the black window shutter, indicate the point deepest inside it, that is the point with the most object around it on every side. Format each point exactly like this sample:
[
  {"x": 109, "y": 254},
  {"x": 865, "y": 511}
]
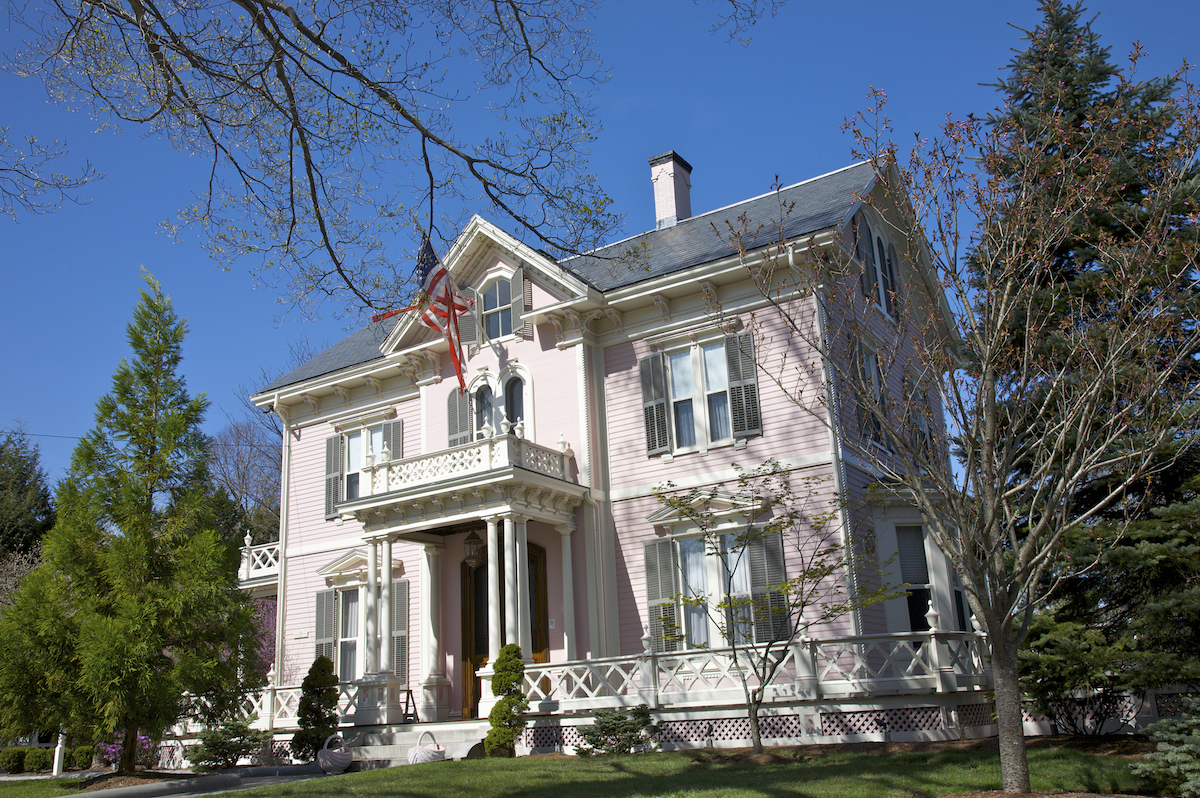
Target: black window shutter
[
  {"x": 333, "y": 475},
  {"x": 400, "y": 629},
  {"x": 743, "y": 385},
  {"x": 662, "y": 564},
  {"x": 326, "y": 625},
  {"x": 458, "y": 417},
  {"x": 654, "y": 404},
  {"x": 393, "y": 438},
  {"x": 468, "y": 324},
  {"x": 520, "y": 303},
  {"x": 771, "y": 620}
]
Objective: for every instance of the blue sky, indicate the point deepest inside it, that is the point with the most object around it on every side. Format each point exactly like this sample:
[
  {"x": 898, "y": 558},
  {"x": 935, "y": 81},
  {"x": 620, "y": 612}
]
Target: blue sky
[{"x": 739, "y": 114}]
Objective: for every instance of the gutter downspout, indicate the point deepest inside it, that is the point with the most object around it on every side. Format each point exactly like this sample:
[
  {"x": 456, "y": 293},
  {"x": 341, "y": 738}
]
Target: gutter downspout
[{"x": 835, "y": 446}]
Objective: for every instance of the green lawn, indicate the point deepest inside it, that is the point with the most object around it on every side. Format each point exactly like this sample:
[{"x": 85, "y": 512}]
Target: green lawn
[{"x": 684, "y": 775}]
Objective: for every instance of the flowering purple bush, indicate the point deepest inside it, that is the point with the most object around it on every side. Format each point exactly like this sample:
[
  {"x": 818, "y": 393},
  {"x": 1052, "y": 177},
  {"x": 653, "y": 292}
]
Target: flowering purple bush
[{"x": 146, "y": 756}]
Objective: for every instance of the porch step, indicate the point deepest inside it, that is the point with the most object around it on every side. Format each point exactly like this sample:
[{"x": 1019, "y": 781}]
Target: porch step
[{"x": 389, "y": 746}]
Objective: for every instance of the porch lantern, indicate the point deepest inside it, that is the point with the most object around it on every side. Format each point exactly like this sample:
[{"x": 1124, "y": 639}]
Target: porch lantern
[{"x": 473, "y": 547}]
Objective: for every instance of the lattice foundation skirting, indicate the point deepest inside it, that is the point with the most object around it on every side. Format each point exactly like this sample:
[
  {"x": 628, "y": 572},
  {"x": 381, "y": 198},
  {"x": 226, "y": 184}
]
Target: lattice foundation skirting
[
  {"x": 1170, "y": 705},
  {"x": 874, "y": 721},
  {"x": 976, "y": 714},
  {"x": 716, "y": 731}
]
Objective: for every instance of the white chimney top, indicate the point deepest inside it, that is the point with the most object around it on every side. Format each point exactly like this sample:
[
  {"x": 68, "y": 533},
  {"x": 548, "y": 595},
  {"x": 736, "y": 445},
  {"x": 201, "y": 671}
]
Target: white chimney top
[{"x": 672, "y": 179}]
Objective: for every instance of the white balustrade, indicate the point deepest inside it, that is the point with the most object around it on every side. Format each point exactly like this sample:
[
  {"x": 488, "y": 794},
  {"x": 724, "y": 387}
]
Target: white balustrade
[
  {"x": 867, "y": 665},
  {"x": 259, "y": 561},
  {"x": 487, "y": 454}
]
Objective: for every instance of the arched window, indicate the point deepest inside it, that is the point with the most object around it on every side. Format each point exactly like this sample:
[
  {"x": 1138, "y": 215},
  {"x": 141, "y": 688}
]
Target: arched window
[
  {"x": 514, "y": 400},
  {"x": 485, "y": 411},
  {"x": 497, "y": 310},
  {"x": 878, "y": 258}
]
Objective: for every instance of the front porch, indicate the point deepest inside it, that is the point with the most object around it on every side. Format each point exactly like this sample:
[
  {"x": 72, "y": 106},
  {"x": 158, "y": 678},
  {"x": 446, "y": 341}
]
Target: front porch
[{"x": 929, "y": 684}]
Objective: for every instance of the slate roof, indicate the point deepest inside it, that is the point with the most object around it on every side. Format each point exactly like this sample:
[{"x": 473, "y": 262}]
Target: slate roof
[
  {"x": 818, "y": 203},
  {"x": 361, "y": 346}
]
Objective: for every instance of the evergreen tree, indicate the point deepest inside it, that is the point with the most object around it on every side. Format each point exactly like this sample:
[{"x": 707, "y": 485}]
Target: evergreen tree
[
  {"x": 134, "y": 619},
  {"x": 26, "y": 506},
  {"x": 318, "y": 710},
  {"x": 1112, "y": 627}
]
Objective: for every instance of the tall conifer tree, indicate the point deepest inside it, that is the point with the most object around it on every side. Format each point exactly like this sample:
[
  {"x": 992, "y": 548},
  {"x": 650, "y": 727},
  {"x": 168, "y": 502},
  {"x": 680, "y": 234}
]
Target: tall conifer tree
[{"x": 134, "y": 620}]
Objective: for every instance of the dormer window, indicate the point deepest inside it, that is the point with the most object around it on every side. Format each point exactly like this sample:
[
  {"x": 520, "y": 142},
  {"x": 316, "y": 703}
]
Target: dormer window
[{"x": 497, "y": 310}]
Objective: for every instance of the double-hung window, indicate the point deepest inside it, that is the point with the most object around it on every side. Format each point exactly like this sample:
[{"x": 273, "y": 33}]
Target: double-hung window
[
  {"x": 345, "y": 457},
  {"x": 497, "y": 313},
  {"x": 872, "y": 394},
  {"x": 914, "y": 571},
  {"x": 339, "y": 616},
  {"x": 878, "y": 258},
  {"x": 686, "y": 579},
  {"x": 700, "y": 396}
]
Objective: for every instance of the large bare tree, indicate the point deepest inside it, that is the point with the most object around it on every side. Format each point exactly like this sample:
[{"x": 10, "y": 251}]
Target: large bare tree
[
  {"x": 329, "y": 125},
  {"x": 28, "y": 182},
  {"x": 972, "y": 376}
]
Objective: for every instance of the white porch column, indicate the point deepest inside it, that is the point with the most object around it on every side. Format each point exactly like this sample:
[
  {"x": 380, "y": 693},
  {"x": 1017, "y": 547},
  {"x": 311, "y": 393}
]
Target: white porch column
[
  {"x": 493, "y": 587},
  {"x": 385, "y": 609},
  {"x": 568, "y": 588},
  {"x": 512, "y": 630},
  {"x": 435, "y": 688},
  {"x": 372, "y": 626},
  {"x": 525, "y": 625}
]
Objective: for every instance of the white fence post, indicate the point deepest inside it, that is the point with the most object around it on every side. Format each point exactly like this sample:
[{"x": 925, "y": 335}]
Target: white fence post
[{"x": 648, "y": 673}]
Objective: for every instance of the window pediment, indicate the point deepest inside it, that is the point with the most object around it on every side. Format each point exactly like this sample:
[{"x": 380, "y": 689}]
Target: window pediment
[{"x": 722, "y": 505}]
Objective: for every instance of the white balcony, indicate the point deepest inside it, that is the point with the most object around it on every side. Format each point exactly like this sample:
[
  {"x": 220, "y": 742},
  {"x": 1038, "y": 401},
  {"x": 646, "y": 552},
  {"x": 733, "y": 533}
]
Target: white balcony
[
  {"x": 494, "y": 473},
  {"x": 259, "y": 571}
]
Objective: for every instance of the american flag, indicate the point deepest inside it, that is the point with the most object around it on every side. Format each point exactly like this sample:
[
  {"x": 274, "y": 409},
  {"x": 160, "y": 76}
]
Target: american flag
[{"x": 441, "y": 304}]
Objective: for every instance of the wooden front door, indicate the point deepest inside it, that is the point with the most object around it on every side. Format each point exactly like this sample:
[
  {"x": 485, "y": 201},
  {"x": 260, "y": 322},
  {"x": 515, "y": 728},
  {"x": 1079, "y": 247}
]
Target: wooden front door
[{"x": 475, "y": 622}]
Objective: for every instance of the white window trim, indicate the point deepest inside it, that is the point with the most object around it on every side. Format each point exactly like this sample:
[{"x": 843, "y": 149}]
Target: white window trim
[{"x": 701, "y": 422}]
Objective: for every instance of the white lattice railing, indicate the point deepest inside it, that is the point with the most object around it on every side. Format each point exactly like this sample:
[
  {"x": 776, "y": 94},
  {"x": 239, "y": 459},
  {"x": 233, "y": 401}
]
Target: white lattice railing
[
  {"x": 867, "y": 665},
  {"x": 284, "y": 703},
  {"x": 259, "y": 561},
  {"x": 487, "y": 454}
]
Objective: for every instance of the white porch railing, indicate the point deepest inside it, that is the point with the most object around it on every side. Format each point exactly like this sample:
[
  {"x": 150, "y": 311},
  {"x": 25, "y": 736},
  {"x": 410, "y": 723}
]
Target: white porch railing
[
  {"x": 259, "y": 562},
  {"x": 863, "y": 666},
  {"x": 477, "y": 457}
]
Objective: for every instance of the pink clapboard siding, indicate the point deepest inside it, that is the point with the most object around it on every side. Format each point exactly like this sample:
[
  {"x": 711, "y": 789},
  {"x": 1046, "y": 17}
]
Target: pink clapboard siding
[{"x": 789, "y": 429}]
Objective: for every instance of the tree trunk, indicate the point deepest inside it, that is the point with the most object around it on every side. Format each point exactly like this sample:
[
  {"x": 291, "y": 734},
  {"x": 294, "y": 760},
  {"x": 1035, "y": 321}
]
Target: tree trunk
[
  {"x": 1014, "y": 766},
  {"x": 755, "y": 734},
  {"x": 128, "y": 761}
]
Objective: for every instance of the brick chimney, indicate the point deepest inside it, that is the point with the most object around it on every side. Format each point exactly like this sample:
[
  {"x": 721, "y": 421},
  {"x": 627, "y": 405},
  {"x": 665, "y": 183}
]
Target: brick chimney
[{"x": 672, "y": 179}]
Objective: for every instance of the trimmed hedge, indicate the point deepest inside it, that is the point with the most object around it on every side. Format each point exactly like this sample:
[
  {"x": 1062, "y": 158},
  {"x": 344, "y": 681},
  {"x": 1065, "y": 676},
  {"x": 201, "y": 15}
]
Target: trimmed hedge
[
  {"x": 39, "y": 759},
  {"x": 13, "y": 759},
  {"x": 83, "y": 756}
]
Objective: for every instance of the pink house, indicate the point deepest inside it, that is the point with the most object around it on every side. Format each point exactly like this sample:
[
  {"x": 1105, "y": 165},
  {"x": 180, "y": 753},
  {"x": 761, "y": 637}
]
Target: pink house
[{"x": 422, "y": 528}]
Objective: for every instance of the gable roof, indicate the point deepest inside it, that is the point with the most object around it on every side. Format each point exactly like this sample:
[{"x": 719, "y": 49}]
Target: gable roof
[{"x": 816, "y": 204}]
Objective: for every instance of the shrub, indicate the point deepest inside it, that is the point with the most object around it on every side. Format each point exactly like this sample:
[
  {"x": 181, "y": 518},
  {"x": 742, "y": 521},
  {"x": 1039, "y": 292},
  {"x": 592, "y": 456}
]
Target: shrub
[
  {"x": 146, "y": 755},
  {"x": 620, "y": 731},
  {"x": 13, "y": 759},
  {"x": 224, "y": 745},
  {"x": 39, "y": 759},
  {"x": 505, "y": 717},
  {"x": 1175, "y": 765},
  {"x": 83, "y": 756},
  {"x": 317, "y": 712}
]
